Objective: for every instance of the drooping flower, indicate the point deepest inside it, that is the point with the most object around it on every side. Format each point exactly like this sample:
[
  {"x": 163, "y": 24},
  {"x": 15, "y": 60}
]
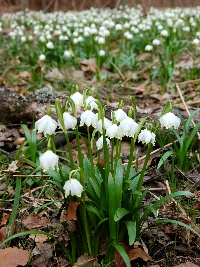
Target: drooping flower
[
  {"x": 102, "y": 53},
  {"x": 128, "y": 127},
  {"x": 146, "y": 137},
  {"x": 46, "y": 124},
  {"x": 69, "y": 121},
  {"x": 156, "y": 42},
  {"x": 50, "y": 45},
  {"x": 120, "y": 115},
  {"x": 170, "y": 120},
  {"x": 99, "y": 142},
  {"x": 112, "y": 131},
  {"x": 73, "y": 187},
  {"x": 77, "y": 98},
  {"x": 67, "y": 53},
  {"x": 196, "y": 41},
  {"x": 42, "y": 57},
  {"x": 88, "y": 118},
  {"x": 164, "y": 33},
  {"x": 148, "y": 48},
  {"x": 91, "y": 100},
  {"x": 107, "y": 123},
  {"x": 48, "y": 160}
]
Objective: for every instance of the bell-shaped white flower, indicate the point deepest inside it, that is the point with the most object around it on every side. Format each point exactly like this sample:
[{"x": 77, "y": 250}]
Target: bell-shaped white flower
[
  {"x": 120, "y": 115},
  {"x": 107, "y": 123},
  {"x": 148, "y": 48},
  {"x": 99, "y": 142},
  {"x": 69, "y": 121},
  {"x": 91, "y": 100},
  {"x": 128, "y": 127},
  {"x": 77, "y": 98},
  {"x": 88, "y": 118},
  {"x": 146, "y": 137},
  {"x": 170, "y": 120},
  {"x": 48, "y": 160},
  {"x": 46, "y": 124},
  {"x": 73, "y": 187},
  {"x": 112, "y": 131}
]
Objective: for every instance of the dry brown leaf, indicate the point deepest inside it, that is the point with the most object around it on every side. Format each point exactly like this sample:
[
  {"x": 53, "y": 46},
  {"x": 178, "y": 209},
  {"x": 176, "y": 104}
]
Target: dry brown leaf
[
  {"x": 12, "y": 167},
  {"x": 55, "y": 74},
  {"x": 42, "y": 260},
  {"x": 19, "y": 141},
  {"x": 86, "y": 259},
  {"x": 39, "y": 238},
  {"x": 25, "y": 75},
  {"x": 71, "y": 212},
  {"x": 35, "y": 221},
  {"x": 187, "y": 264},
  {"x": 12, "y": 257},
  {"x": 5, "y": 218},
  {"x": 136, "y": 253},
  {"x": 3, "y": 231},
  {"x": 89, "y": 65}
]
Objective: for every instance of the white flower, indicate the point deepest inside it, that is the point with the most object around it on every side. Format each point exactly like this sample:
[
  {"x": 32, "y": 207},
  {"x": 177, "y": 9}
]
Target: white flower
[
  {"x": 102, "y": 53},
  {"x": 156, "y": 42},
  {"x": 91, "y": 100},
  {"x": 46, "y": 124},
  {"x": 73, "y": 187},
  {"x": 88, "y": 118},
  {"x": 164, "y": 33},
  {"x": 112, "y": 131},
  {"x": 170, "y": 120},
  {"x": 99, "y": 142},
  {"x": 196, "y": 41},
  {"x": 146, "y": 137},
  {"x": 118, "y": 27},
  {"x": 42, "y": 57},
  {"x": 50, "y": 45},
  {"x": 69, "y": 121},
  {"x": 77, "y": 99},
  {"x": 128, "y": 127},
  {"x": 67, "y": 53},
  {"x": 107, "y": 123},
  {"x": 120, "y": 115},
  {"x": 148, "y": 48},
  {"x": 48, "y": 160}
]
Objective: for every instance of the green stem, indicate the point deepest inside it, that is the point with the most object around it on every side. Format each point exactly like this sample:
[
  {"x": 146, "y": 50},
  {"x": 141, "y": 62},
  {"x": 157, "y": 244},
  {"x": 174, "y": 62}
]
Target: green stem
[
  {"x": 84, "y": 214},
  {"x": 117, "y": 155},
  {"x": 140, "y": 182},
  {"x": 112, "y": 154},
  {"x": 80, "y": 157},
  {"x": 90, "y": 151},
  {"x": 15, "y": 207},
  {"x": 130, "y": 158},
  {"x": 70, "y": 151}
]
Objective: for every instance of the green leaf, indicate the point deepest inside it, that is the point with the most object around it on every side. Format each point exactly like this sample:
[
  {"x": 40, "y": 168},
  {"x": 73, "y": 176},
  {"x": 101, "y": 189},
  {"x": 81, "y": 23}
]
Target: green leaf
[
  {"x": 166, "y": 108},
  {"x": 112, "y": 206},
  {"x": 164, "y": 157},
  {"x": 159, "y": 202},
  {"x": 188, "y": 227},
  {"x": 123, "y": 253},
  {"x": 131, "y": 227},
  {"x": 120, "y": 213}
]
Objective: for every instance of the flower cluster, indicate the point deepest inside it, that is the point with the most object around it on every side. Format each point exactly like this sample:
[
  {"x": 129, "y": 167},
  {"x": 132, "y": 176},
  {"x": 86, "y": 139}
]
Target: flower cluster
[{"x": 120, "y": 126}]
